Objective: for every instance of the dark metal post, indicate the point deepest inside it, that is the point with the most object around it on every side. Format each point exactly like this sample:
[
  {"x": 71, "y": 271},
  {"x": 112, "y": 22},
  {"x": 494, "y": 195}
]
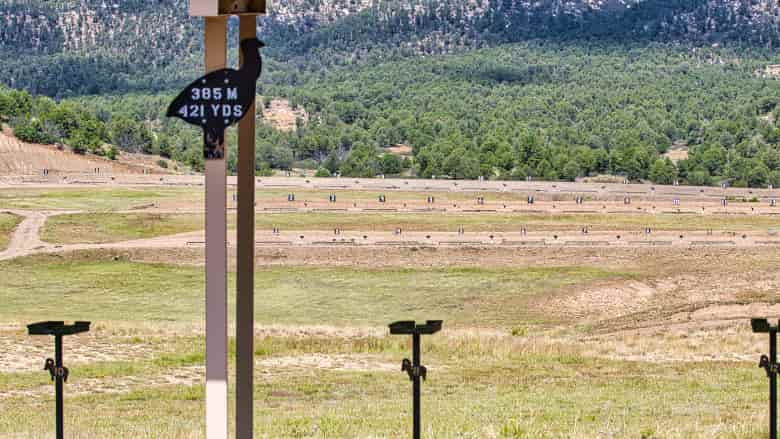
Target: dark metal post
[
  {"x": 245, "y": 258},
  {"x": 57, "y": 372},
  {"x": 413, "y": 368},
  {"x": 416, "y": 385},
  {"x": 58, "y": 385},
  {"x": 773, "y": 385},
  {"x": 769, "y": 364}
]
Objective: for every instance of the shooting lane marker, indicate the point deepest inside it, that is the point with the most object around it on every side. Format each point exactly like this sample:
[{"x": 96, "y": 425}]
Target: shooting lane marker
[
  {"x": 216, "y": 253},
  {"x": 57, "y": 371},
  {"x": 414, "y": 368},
  {"x": 769, "y": 363},
  {"x": 217, "y": 100}
]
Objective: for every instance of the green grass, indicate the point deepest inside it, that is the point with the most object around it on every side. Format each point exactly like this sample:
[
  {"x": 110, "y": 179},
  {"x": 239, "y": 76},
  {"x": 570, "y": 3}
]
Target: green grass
[
  {"x": 474, "y": 389},
  {"x": 115, "y": 227},
  {"x": 532, "y": 385},
  {"x": 461, "y": 296},
  {"x": 393, "y": 196},
  {"x": 94, "y": 286},
  {"x": 94, "y": 199},
  {"x": 8, "y": 223},
  {"x": 106, "y": 198},
  {"x": 112, "y": 227},
  {"x": 494, "y": 222}
]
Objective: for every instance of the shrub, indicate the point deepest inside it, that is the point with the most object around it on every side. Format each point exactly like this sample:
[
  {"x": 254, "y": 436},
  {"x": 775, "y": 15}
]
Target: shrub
[{"x": 322, "y": 172}]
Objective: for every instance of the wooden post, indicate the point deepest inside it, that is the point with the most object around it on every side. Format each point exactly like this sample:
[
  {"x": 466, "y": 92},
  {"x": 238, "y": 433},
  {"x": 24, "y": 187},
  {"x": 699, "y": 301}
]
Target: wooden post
[
  {"x": 245, "y": 264},
  {"x": 216, "y": 257}
]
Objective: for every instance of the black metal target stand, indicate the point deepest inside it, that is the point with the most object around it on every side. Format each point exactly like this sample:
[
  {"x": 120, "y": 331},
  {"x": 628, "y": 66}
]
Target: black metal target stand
[
  {"x": 56, "y": 370},
  {"x": 413, "y": 368},
  {"x": 769, "y": 363}
]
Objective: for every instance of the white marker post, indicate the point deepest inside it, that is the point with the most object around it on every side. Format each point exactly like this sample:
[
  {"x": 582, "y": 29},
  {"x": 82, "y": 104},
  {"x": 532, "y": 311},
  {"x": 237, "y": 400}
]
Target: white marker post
[
  {"x": 216, "y": 258},
  {"x": 215, "y": 13}
]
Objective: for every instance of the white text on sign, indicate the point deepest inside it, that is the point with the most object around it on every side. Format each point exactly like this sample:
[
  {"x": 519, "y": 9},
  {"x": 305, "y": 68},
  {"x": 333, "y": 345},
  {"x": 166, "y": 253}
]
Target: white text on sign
[
  {"x": 211, "y": 110},
  {"x": 214, "y": 93}
]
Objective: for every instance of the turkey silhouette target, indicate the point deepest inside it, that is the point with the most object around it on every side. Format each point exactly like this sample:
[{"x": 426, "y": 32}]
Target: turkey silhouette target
[{"x": 220, "y": 99}]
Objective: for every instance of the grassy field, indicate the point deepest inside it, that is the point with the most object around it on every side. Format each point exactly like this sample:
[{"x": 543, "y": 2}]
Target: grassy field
[
  {"x": 108, "y": 198},
  {"x": 95, "y": 228},
  {"x": 95, "y": 199},
  {"x": 8, "y": 223},
  {"x": 518, "y": 387},
  {"x": 534, "y": 345},
  {"x": 124, "y": 198},
  {"x": 482, "y": 222},
  {"x": 326, "y": 368},
  {"x": 106, "y": 284},
  {"x": 115, "y": 227}
]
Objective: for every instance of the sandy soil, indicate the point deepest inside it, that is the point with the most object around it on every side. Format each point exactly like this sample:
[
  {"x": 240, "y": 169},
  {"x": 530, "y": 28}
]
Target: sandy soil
[
  {"x": 543, "y": 190},
  {"x": 281, "y": 115},
  {"x": 21, "y": 158},
  {"x": 22, "y": 353}
]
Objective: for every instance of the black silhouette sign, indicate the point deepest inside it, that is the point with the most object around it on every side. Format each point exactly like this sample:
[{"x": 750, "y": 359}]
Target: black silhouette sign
[{"x": 220, "y": 99}]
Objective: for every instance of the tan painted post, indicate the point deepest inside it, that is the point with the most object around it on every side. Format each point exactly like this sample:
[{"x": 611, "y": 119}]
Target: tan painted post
[
  {"x": 215, "y": 37},
  {"x": 245, "y": 268}
]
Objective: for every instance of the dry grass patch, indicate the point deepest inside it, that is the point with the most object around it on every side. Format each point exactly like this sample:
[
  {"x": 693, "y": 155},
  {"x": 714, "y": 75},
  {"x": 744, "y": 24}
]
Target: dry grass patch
[
  {"x": 8, "y": 223},
  {"x": 97, "y": 198},
  {"x": 98, "y": 228}
]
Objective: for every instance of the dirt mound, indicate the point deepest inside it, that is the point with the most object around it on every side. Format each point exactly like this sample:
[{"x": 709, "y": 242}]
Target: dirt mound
[
  {"x": 281, "y": 115},
  {"x": 21, "y": 158}
]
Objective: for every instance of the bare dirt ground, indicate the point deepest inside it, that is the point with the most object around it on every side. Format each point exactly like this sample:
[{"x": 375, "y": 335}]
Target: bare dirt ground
[
  {"x": 26, "y": 237},
  {"x": 29, "y": 355},
  {"x": 21, "y": 158},
  {"x": 281, "y": 115}
]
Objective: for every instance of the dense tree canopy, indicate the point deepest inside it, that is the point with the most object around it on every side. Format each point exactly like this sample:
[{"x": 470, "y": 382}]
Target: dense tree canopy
[{"x": 536, "y": 109}]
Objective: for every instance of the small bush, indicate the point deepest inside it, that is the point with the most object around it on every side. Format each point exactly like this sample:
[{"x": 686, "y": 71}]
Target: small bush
[{"x": 264, "y": 170}]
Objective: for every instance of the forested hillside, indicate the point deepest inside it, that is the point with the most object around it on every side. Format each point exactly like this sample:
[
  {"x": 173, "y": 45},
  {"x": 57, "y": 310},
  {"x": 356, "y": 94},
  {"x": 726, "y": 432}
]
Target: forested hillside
[{"x": 495, "y": 88}]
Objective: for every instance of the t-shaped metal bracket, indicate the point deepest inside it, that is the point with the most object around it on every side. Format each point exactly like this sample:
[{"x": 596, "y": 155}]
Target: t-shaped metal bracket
[
  {"x": 413, "y": 367},
  {"x": 769, "y": 364},
  {"x": 57, "y": 371}
]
